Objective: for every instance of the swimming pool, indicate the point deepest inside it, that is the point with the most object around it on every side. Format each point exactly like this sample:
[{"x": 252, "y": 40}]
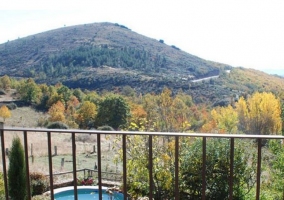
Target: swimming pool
[{"x": 85, "y": 193}]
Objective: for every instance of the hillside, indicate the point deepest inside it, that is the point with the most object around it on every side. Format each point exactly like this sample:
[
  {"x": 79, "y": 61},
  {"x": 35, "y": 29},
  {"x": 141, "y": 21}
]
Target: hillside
[{"x": 104, "y": 56}]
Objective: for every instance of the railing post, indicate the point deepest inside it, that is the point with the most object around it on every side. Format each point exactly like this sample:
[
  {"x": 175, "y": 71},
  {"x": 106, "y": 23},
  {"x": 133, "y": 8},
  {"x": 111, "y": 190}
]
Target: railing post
[
  {"x": 27, "y": 165},
  {"x": 150, "y": 167},
  {"x": 74, "y": 166},
  {"x": 204, "y": 169},
  {"x": 231, "y": 180},
  {"x": 124, "y": 167},
  {"x": 99, "y": 165},
  {"x": 176, "y": 168},
  {"x": 258, "y": 168},
  {"x": 4, "y": 160},
  {"x": 50, "y": 165}
]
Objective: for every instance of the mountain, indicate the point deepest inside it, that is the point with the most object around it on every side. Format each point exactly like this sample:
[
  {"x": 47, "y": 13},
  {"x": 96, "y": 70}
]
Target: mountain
[{"x": 106, "y": 56}]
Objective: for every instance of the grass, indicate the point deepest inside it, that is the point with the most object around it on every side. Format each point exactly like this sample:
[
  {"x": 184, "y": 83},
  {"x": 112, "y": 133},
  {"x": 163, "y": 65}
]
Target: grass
[{"x": 37, "y": 146}]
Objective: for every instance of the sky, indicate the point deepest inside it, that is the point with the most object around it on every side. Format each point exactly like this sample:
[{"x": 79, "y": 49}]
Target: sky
[{"x": 246, "y": 33}]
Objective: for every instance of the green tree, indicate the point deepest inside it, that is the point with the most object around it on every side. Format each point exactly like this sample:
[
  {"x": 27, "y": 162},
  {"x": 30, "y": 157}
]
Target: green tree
[
  {"x": 5, "y": 82},
  {"x": 113, "y": 111},
  {"x": 65, "y": 92},
  {"x": 29, "y": 91},
  {"x": 17, "y": 171}
]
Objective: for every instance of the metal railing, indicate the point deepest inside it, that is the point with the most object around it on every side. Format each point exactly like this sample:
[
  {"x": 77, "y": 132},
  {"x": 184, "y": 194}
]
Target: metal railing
[{"x": 150, "y": 135}]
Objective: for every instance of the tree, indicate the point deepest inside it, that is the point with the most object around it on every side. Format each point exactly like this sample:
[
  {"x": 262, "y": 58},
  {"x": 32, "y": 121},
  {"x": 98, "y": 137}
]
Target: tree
[
  {"x": 56, "y": 112},
  {"x": 261, "y": 114},
  {"x": 113, "y": 111},
  {"x": 30, "y": 91},
  {"x": 5, "y": 112},
  {"x": 17, "y": 171},
  {"x": 86, "y": 113},
  {"x": 165, "y": 101},
  {"x": 65, "y": 92},
  {"x": 5, "y": 82},
  {"x": 226, "y": 119},
  {"x": 149, "y": 103}
]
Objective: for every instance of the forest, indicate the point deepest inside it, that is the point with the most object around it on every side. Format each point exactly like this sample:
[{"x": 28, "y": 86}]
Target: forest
[{"x": 125, "y": 109}]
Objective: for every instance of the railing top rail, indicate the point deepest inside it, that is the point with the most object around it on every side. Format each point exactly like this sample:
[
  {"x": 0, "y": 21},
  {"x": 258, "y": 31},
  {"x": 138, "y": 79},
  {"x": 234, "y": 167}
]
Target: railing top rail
[{"x": 210, "y": 135}]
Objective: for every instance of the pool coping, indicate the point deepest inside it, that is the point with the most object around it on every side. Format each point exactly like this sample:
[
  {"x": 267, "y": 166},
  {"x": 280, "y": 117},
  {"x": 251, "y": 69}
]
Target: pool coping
[{"x": 68, "y": 188}]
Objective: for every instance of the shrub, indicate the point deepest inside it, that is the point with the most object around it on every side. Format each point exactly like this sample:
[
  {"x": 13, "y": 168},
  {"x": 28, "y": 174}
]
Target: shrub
[
  {"x": 39, "y": 183},
  {"x": 11, "y": 106},
  {"x": 57, "y": 125},
  {"x": 105, "y": 128},
  {"x": 2, "y": 92}
]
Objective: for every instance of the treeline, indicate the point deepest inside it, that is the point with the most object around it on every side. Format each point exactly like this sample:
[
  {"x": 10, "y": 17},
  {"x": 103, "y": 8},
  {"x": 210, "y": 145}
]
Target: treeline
[
  {"x": 261, "y": 113},
  {"x": 69, "y": 62}
]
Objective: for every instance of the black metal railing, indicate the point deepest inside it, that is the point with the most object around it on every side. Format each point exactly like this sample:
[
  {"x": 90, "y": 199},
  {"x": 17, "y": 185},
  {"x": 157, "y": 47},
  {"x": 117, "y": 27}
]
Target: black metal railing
[{"x": 124, "y": 134}]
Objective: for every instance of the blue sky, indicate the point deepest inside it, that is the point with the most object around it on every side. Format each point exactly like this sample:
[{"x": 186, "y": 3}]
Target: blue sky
[{"x": 239, "y": 33}]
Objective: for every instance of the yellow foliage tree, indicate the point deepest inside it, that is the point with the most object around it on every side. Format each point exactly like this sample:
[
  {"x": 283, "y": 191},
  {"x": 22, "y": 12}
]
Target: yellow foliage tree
[
  {"x": 260, "y": 114},
  {"x": 86, "y": 113},
  {"x": 226, "y": 119},
  {"x": 5, "y": 112},
  {"x": 56, "y": 112}
]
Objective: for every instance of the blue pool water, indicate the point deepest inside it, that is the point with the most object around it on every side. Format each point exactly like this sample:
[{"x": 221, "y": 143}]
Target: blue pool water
[{"x": 86, "y": 194}]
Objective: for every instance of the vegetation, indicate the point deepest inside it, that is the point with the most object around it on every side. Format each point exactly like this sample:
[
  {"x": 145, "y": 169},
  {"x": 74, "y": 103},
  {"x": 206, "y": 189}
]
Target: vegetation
[
  {"x": 217, "y": 169},
  {"x": 5, "y": 112},
  {"x": 39, "y": 183},
  {"x": 17, "y": 171},
  {"x": 57, "y": 125},
  {"x": 2, "y": 188}
]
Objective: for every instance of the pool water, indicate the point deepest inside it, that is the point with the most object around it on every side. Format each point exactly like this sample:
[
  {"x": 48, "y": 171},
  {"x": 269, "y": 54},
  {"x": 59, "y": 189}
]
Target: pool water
[{"x": 86, "y": 194}]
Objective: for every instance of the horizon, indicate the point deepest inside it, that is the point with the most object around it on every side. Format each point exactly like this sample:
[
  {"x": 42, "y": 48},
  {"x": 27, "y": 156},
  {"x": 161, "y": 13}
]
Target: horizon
[{"x": 240, "y": 34}]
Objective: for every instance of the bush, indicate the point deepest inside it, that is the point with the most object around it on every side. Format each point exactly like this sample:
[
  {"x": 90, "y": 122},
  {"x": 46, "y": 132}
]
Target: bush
[
  {"x": 105, "y": 128},
  {"x": 2, "y": 92},
  {"x": 39, "y": 183},
  {"x": 57, "y": 125},
  {"x": 11, "y": 106}
]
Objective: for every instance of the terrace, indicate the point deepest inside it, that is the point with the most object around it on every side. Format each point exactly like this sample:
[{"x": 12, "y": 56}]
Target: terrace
[{"x": 48, "y": 133}]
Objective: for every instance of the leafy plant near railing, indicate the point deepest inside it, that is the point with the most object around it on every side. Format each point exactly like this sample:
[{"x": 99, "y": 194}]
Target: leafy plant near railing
[
  {"x": 190, "y": 177},
  {"x": 274, "y": 186},
  {"x": 217, "y": 169}
]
